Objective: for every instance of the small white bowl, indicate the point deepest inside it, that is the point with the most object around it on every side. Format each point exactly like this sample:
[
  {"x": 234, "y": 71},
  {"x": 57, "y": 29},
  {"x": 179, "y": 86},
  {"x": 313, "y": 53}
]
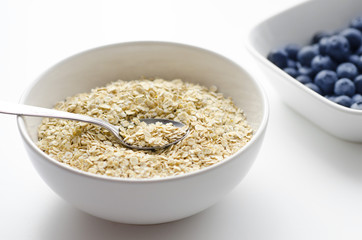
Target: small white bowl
[
  {"x": 297, "y": 25},
  {"x": 147, "y": 201}
]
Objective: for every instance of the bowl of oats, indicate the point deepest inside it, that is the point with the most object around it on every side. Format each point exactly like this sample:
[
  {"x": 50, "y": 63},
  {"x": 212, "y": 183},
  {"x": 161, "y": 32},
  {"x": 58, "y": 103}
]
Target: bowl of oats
[{"x": 224, "y": 108}]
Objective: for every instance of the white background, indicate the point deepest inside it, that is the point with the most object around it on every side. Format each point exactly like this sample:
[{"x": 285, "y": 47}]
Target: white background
[{"x": 305, "y": 184}]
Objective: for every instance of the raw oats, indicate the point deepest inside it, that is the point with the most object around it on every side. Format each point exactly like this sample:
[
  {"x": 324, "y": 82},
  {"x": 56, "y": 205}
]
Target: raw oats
[
  {"x": 217, "y": 129},
  {"x": 151, "y": 135}
]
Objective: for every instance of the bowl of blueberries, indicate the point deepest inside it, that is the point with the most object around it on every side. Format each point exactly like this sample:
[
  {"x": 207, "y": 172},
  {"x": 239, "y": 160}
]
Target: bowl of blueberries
[{"x": 312, "y": 55}]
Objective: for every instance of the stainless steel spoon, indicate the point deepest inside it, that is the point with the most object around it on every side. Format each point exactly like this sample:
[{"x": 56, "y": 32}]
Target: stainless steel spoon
[{"x": 26, "y": 110}]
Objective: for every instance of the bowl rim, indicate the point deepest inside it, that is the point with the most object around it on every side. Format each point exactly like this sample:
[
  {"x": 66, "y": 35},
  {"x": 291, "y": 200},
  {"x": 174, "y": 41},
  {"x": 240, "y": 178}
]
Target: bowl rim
[
  {"x": 258, "y": 134},
  {"x": 286, "y": 77}
]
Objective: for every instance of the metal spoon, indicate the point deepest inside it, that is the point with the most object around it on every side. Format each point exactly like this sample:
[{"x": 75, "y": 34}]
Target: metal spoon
[{"x": 26, "y": 110}]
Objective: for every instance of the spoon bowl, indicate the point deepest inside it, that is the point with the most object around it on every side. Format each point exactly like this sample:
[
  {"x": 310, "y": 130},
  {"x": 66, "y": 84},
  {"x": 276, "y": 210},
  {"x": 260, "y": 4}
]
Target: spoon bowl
[{"x": 149, "y": 121}]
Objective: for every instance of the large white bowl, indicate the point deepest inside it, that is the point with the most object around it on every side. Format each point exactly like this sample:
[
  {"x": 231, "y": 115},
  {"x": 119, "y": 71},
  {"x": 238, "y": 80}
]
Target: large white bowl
[
  {"x": 146, "y": 201},
  {"x": 297, "y": 25}
]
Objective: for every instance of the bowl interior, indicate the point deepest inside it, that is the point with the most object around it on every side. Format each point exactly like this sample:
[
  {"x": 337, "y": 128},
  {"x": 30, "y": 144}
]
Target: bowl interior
[
  {"x": 300, "y": 23},
  {"x": 127, "y": 61}
]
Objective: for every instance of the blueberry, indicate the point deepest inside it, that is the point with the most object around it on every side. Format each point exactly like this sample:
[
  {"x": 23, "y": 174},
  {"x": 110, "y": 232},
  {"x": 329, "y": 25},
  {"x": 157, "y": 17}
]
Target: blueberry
[
  {"x": 291, "y": 71},
  {"x": 291, "y": 63},
  {"x": 320, "y": 62},
  {"x": 356, "y": 60},
  {"x": 347, "y": 70},
  {"x": 314, "y": 87},
  {"x": 325, "y": 80},
  {"x": 337, "y": 47},
  {"x": 306, "y": 54},
  {"x": 358, "y": 51},
  {"x": 278, "y": 57},
  {"x": 357, "y": 97},
  {"x": 292, "y": 50},
  {"x": 303, "y": 70},
  {"x": 353, "y": 36},
  {"x": 322, "y": 46},
  {"x": 344, "y": 86},
  {"x": 330, "y": 97},
  {"x": 356, "y": 23},
  {"x": 319, "y": 35},
  {"x": 343, "y": 100},
  {"x": 357, "y": 105},
  {"x": 304, "y": 79},
  {"x": 358, "y": 83}
]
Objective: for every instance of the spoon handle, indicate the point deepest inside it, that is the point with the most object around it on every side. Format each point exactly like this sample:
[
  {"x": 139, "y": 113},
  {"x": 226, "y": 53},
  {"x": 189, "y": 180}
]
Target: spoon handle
[
  {"x": 32, "y": 111},
  {"x": 26, "y": 110}
]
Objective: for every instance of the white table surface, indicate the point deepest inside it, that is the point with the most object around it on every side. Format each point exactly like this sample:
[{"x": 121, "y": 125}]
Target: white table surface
[{"x": 305, "y": 184}]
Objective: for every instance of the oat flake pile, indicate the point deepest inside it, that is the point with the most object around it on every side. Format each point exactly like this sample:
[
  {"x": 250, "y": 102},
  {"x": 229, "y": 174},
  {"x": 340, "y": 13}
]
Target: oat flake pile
[{"x": 217, "y": 129}]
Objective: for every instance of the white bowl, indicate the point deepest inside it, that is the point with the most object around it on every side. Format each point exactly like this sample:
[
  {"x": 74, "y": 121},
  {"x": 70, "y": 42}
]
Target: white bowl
[
  {"x": 297, "y": 25},
  {"x": 146, "y": 201}
]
